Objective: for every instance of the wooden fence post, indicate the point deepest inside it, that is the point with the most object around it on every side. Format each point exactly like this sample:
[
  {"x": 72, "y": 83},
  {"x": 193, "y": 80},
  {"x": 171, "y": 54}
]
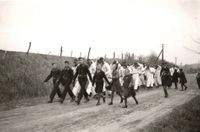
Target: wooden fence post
[
  {"x": 28, "y": 48},
  {"x": 61, "y": 50}
]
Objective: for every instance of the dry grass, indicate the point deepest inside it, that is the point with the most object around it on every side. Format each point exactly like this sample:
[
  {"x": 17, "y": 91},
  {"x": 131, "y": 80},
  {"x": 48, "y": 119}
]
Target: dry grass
[{"x": 21, "y": 75}]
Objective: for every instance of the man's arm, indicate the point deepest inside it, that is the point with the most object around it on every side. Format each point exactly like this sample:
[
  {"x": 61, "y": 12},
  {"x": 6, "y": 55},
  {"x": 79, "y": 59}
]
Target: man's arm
[
  {"x": 48, "y": 77},
  {"x": 104, "y": 76},
  {"x": 71, "y": 75},
  {"x": 89, "y": 74}
]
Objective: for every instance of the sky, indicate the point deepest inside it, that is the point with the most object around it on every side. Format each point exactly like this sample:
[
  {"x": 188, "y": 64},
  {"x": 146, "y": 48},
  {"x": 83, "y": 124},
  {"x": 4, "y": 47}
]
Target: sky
[{"x": 107, "y": 26}]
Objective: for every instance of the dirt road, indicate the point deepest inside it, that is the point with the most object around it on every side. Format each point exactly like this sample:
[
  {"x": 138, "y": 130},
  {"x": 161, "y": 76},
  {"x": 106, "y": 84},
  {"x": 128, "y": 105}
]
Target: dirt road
[{"x": 89, "y": 117}]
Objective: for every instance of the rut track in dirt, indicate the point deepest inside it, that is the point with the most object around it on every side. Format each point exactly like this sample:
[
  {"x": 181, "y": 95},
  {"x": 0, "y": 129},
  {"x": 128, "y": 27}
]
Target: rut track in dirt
[{"x": 89, "y": 117}]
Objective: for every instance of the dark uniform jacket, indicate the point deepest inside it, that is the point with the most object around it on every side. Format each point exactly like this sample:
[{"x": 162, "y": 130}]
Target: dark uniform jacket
[
  {"x": 82, "y": 71},
  {"x": 175, "y": 77},
  {"x": 165, "y": 76},
  {"x": 98, "y": 78},
  {"x": 182, "y": 78},
  {"x": 55, "y": 74},
  {"x": 67, "y": 75}
]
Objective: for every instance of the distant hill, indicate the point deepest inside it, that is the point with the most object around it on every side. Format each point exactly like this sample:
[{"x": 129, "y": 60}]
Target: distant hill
[{"x": 22, "y": 75}]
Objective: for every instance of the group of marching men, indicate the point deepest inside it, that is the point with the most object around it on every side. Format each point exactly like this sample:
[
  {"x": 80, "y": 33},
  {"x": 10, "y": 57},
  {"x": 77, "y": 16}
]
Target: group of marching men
[{"x": 101, "y": 78}]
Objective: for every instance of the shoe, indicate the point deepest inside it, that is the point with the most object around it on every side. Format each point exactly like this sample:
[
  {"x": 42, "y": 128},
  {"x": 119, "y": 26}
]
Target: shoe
[
  {"x": 166, "y": 96},
  {"x": 98, "y": 103},
  {"x": 90, "y": 95},
  {"x": 50, "y": 101},
  {"x": 121, "y": 100},
  {"x": 186, "y": 88},
  {"x": 110, "y": 103},
  {"x": 124, "y": 106},
  {"x": 137, "y": 103}
]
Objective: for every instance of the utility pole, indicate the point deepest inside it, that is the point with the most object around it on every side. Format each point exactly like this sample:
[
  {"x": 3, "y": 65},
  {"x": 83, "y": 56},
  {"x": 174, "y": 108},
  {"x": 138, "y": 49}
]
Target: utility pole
[
  {"x": 175, "y": 60},
  {"x": 88, "y": 57},
  {"x": 162, "y": 54},
  {"x": 71, "y": 53},
  {"x": 105, "y": 57},
  {"x": 61, "y": 50},
  {"x": 28, "y": 48}
]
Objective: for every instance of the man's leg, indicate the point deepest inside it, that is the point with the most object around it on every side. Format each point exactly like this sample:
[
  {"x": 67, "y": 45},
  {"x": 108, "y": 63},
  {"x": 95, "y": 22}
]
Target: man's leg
[
  {"x": 125, "y": 103},
  {"x": 58, "y": 92},
  {"x": 136, "y": 101},
  {"x": 198, "y": 82},
  {"x": 53, "y": 92},
  {"x": 112, "y": 96},
  {"x": 82, "y": 83},
  {"x": 175, "y": 83},
  {"x": 165, "y": 91}
]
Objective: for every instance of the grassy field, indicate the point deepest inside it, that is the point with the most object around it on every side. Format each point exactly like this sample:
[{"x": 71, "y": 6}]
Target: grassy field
[{"x": 22, "y": 75}]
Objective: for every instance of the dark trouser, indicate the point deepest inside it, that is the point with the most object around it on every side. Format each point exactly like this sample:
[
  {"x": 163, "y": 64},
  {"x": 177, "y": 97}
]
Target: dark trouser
[
  {"x": 82, "y": 81},
  {"x": 165, "y": 91},
  {"x": 125, "y": 100},
  {"x": 183, "y": 85},
  {"x": 198, "y": 82},
  {"x": 175, "y": 83},
  {"x": 55, "y": 90},
  {"x": 99, "y": 96},
  {"x": 112, "y": 96},
  {"x": 66, "y": 90}
]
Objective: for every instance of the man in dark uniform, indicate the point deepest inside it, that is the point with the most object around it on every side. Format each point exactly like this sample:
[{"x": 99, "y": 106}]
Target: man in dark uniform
[
  {"x": 81, "y": 72},
  {"x": 55, "y": 74},
  {"x": 66, "y": 79},
  {"x": 165, "y": 78}
]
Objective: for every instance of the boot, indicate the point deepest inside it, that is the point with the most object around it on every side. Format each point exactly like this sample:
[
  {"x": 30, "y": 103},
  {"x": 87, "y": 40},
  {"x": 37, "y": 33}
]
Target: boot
[
  {"x": 121, "y": 101},
  {"x": 50, "y": 101},
  {"x": 185, "y": 88},
  {"x": 125, "y": 106},
  {"x": 110, "y": 103},
  {"x": 98, "y": 103}
]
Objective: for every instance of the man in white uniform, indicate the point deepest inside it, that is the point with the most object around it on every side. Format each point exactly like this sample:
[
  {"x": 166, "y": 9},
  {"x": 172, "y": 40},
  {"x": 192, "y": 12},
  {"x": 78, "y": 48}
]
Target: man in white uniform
[
  {"x": 149, "y": 74},
  {"x": 107, "y": 70},
  {"x": 157, "y": 76},
  {"x": 76, "y": 88},
  {"x": 92, "y": 68},
  {"x": 135, "y": 73}
]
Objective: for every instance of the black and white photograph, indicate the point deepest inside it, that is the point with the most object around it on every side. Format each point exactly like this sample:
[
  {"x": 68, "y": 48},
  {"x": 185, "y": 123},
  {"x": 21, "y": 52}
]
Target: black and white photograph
[{"x": 99, "y": 65}]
